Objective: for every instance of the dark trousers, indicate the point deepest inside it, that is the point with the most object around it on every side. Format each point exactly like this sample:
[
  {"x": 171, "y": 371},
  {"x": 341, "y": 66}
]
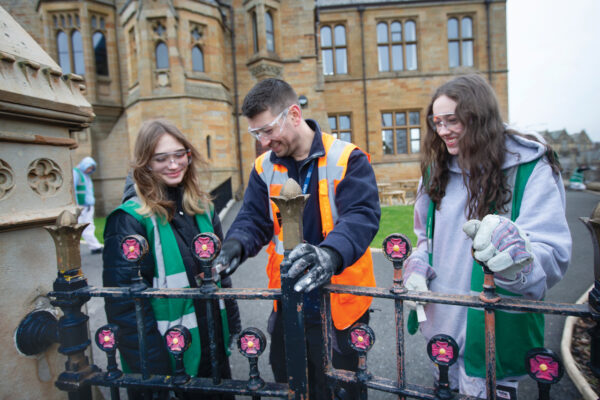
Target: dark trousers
[{"x": 344, "y": 357}]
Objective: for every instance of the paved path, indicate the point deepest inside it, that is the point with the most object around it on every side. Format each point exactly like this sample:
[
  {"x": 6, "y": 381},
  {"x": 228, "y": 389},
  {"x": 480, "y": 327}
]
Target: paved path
[{"x": 381, "y": 359}]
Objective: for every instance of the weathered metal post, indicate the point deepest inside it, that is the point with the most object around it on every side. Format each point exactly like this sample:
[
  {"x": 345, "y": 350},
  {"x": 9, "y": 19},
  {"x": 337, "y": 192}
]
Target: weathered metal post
[
  {"x": 291, "y": 203},
  {"x": 593, "y": 225},
  {"x": 72, "y": 326},
  {"x": 205, "y": 247},
  {"x": 397, "y": 248},
  {"x": 489, "y": 296}
]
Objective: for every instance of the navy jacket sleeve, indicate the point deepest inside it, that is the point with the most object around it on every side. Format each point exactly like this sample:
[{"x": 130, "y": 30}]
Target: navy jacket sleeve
[
  {"x": 357, "y": 201},
  {"x": 252, "y": 226},
  {"x": 120, "y": 311}
]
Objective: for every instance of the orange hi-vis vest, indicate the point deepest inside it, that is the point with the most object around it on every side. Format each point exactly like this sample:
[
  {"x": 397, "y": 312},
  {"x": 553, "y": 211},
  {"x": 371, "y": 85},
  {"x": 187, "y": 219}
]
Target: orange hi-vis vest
[{"x": 345, "y": 308}]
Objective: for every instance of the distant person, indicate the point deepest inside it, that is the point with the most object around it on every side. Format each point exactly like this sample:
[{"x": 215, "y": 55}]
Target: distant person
[
  {"x": 577, "y": 179},
  {"x": 341, "y": 218},
  {"x": 167, "y": 206},
  {"x": 84, "y": 195},
  {"x": 488, "y": 188}
]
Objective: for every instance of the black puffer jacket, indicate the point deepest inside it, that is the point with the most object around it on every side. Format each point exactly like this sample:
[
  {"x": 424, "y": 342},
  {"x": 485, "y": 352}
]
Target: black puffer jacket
[{"x": 117, "y": 273}]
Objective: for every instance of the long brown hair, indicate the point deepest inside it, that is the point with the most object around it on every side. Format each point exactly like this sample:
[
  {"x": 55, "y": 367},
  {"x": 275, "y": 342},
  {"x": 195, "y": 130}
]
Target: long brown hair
[
  {"x": 481, "y": 148},
  {"x": 150, "y": 190}
]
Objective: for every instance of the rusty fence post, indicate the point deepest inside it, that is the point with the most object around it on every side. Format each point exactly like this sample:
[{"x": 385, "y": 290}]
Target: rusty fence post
[
  {"x": 72, "y": 326},
  {"x": 593, "y": 225},
  {"x": 291, "y": 203}
]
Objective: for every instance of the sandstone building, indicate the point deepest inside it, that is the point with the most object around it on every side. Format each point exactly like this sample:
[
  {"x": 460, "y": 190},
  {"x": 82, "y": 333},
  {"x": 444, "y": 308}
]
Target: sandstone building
[{"x": 365, "y": 70}]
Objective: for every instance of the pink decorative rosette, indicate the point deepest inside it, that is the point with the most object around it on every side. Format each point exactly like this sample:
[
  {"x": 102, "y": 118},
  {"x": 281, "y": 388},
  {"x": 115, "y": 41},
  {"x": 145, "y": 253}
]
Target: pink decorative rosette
[
  {"x": 543, "y": 365},
  {"x": 251, "y": 342},
  {"x": 361, "y": 337},
  {"x": 442, "y": 350},
  {"x": 131, "y": 249},
  {"x": 206, "y": 246},
  {"x": 396, "y": 247},
  {"x": 106, "y": 337},
  {"x": 134, "y": 247},
  {"x": 178, "y": 339}
]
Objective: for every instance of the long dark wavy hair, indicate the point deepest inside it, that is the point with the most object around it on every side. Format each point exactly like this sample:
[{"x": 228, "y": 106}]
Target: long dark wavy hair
[
  {"x": 481, "y": 148},
  {"x": 150, "y": 190}
]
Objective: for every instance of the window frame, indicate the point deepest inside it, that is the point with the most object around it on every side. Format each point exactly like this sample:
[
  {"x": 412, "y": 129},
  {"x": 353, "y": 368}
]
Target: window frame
[
  {"x": 337, "y": 132},
  {"x": 334, "y": 47},
  {"x": 202, "y": 66},
  {"x": 156, "y": 56},
  {"x": 461, "y": 40},
  {"x": 404, "y": 44},
  {"x": 160, "y": 38},
  {"x": 270, "y": 34},
  {"x": 96, "y": 63},
  {"x": 407, "y": 127},
  {"x": 197, "y": 42},
  {"x": 68, "y": 23},
  {"x": 254, "y": 18}
]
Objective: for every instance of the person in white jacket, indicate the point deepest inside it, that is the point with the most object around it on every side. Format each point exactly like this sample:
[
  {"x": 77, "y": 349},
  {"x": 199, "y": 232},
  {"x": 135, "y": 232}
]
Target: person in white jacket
[
  {"x": 84, "y": 195},
  {"x": 489, "y": 189}
]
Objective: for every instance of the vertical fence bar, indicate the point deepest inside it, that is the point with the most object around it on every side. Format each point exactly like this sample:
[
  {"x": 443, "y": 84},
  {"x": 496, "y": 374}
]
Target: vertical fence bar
[
  {"x": 488, "y": 296},
  {"x": 205, "y": 247},
  {"x": 327, "y": 329},
  {"x": 593, "y": 225},
  {"x": 291, "y": 206},
  {"x": 397, "y": 248},
  {"x": 72, "y": 326},
  {"x": 134, "y": 248}
]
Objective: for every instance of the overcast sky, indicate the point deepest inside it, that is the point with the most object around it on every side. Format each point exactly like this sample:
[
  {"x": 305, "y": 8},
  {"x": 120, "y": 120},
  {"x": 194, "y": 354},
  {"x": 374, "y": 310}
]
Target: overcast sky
[{"x": 554, "y": 65}]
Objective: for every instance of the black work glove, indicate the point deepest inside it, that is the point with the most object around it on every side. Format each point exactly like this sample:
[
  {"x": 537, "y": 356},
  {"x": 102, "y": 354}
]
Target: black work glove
[
  {"x": 320, "y": 262},
  {"x": 229, "y": 259}
]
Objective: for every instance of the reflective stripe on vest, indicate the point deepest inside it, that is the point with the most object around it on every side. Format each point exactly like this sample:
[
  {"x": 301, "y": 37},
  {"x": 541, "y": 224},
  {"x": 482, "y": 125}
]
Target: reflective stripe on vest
[
  {"x": 80, "y": 187},
  {"x": 345, "y": 308}
]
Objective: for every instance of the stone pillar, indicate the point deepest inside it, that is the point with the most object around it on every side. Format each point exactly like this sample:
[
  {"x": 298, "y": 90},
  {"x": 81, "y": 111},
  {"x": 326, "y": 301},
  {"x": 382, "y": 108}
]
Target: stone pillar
[{"x": 39, "y": 108}]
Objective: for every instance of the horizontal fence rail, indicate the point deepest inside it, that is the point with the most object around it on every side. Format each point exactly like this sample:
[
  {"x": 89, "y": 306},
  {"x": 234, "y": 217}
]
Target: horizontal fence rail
[{"x": 71, "y": 292}]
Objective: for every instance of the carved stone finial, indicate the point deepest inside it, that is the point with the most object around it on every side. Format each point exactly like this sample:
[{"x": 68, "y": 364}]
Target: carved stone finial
[
  {"x": 291, "y": 203},
  {"x": 290, "y": 189},
  {"x": 66, "y": 218}
]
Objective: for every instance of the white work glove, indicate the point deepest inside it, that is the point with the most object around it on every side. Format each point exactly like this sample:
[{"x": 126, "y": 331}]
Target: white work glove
[
  {"x": 500, "y": 244},
  {"x": 418, "y": 272}
]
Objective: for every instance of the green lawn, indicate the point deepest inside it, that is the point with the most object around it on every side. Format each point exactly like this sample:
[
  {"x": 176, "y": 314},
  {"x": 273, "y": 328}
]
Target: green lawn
[{"x": 394, "y": 219}]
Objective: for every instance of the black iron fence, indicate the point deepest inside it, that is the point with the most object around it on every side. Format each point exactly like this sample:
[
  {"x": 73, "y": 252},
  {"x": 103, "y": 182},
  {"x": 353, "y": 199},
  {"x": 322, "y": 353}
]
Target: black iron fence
[{"x": 71, "y": 291}]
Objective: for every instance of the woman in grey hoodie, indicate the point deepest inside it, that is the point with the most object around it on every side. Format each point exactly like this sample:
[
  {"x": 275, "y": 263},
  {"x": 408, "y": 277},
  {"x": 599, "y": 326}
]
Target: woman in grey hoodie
[{"x": 488, "y": 188}]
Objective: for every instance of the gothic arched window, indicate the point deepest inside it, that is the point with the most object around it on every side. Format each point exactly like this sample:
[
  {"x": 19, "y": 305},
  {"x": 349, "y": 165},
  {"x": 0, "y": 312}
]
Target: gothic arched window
[
  {"x": 100, "y": 56},
  {"x": 162, "y": 56},
  {"x": 197, "y": 59}
]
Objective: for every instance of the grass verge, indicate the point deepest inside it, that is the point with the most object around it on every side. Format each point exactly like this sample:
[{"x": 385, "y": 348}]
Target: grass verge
[{"x": 395, "y": 219}]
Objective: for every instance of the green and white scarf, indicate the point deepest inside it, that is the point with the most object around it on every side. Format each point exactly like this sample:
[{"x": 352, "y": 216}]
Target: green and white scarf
[{"x": 169, "y": 272}]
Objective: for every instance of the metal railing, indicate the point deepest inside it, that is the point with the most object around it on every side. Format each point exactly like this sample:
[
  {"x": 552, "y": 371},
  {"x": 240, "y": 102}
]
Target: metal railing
[{"x": 71, "y": 292}]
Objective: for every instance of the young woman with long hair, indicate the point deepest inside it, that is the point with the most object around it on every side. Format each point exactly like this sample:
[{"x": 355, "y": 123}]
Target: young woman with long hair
[
  {"x": 168, "y": 207},
  {"x": 486, "y": 188}
]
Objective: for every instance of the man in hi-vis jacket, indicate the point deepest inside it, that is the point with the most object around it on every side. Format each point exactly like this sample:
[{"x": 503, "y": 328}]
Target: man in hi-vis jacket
[{"x": 341, "y": 217}]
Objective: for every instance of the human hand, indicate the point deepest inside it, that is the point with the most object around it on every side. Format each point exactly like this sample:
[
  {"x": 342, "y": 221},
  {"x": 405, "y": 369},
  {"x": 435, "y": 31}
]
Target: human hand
[
  {"x": 500, "y": 244},
  {"x": 320, "y": 262},
  {"x": 416, "y": 282},
  {"x": 229, "y": 258}
]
